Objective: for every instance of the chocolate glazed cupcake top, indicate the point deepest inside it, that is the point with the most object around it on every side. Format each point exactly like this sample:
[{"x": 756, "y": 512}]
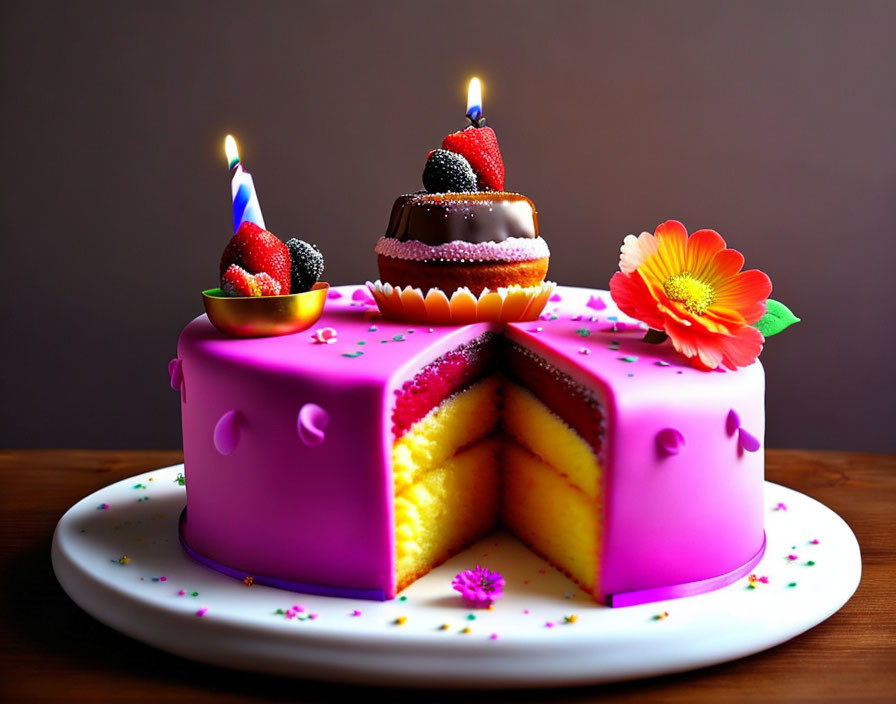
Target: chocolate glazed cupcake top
[{"x": 485, "y": 216}]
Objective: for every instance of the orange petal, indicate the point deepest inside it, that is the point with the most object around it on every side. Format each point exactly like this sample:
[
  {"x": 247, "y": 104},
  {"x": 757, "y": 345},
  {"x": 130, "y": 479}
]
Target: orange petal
[
  {"x": 742, "y": 348},
  {"x": 703, "y": 246},
  {"x": 673, "y": 245},
  {"x": 746, "y": 293},
  {"x": 633, "y": 298},
  {"x": 725, "y": 265}
]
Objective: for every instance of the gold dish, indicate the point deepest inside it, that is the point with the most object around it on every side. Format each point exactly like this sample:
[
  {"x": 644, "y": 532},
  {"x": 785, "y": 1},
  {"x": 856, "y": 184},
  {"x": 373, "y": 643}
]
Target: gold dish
[{"x": 265, "y": 316}]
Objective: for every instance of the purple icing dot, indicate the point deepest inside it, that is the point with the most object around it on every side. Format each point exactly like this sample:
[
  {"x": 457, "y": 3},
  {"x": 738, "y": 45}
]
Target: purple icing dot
[
  {"x": 227, "y": 433},
  {"x": 749, "y": 442},
  {"x": 732, "y": 422},
  {"x": 671, "y": 441},
  {"x": 176, "y": 373},
  {"x": 311, "y": 423}
]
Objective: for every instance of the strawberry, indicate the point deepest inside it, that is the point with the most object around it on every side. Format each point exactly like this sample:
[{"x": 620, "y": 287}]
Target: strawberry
[
  {"x": 257, "y": 250},
  {"x": 268, "y": 284},
  {"x": 236, "y": 281},
  {"x": 239, "y": 282},
  {"x": 479, "y": 146}
]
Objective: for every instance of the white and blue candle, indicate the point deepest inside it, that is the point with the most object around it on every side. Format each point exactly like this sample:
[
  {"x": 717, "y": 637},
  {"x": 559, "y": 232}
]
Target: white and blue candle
[{"x": 245, "y": 199}]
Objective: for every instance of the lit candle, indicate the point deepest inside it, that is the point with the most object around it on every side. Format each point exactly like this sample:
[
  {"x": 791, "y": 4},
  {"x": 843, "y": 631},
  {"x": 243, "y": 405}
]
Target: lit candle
[
  {"x": 245, "y": 200},
  {"x": 474, "y": 103}
]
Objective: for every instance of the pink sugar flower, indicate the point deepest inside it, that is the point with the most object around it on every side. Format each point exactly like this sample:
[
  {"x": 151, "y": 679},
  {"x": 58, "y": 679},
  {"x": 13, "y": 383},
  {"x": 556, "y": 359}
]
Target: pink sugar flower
[
  {"x": 324, "y": 335},
  {"x": 479, "y": 587}
]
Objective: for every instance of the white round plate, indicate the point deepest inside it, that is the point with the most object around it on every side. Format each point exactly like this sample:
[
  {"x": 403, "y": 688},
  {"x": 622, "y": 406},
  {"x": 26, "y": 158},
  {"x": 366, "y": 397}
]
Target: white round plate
[{"x": 117, "y": 554}]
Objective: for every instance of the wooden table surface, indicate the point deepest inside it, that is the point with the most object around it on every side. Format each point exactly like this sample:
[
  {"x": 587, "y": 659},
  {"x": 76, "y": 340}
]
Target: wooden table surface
[{"x": 53, "y": 651}]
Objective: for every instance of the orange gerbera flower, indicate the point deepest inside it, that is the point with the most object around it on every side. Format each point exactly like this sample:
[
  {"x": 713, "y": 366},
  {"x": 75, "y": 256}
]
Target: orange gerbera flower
[{"x": 693, "y": 289}]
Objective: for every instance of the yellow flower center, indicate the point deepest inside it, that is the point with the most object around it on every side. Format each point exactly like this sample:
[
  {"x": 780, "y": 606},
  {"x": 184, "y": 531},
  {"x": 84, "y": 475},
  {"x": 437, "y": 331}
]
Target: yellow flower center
[{"x": 696, "y": 295}]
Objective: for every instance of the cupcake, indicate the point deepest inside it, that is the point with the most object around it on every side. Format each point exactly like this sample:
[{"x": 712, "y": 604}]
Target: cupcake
[{"x": 464, "y": 231}]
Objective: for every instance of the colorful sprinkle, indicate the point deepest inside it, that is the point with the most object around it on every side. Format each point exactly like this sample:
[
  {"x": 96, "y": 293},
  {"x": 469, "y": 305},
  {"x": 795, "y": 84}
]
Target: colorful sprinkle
[
  {"x": 139, "y": 486},
  {"x": 403, "y": 598},
  {"x": 754, "y": 580},
  {"x": 445, "y": 627},
  {"x": 494, "y": 636},
  {"x": 352, "y": 355},
  {"x": 583, "y": 332},
  {"x": 780, "y": 507},
  {"x": 102, "y": 507},
  {"x": 661, "y": 616},
  {"x": 814, "y": 542},
  {"x": 356, "y": 612},
  {"x": 372, "y": 328},
  {"x": 630, "y": 358},
  {"x": 596, "y": 303},
  {"x": 248, "y": 580},
  {"x": 471, "y": 617},
  {"x": 180, "y": 480},
  {"x": 661, "y": 363},
  {"x": 143, "y": 498},
  {"x": 194, "y": 593},
  {"x": 549, "y": 624},
  {"x": 572, "y": 618},
  {"x": 584, "y": 350},
  {"x": 467, "y": 630},
  {"x": 123, "y": 560},
  {"x": 362, "y": 342},
  {"x": 536, "y": 329},
  {"x": 525, "y": 611},
  {"x": 792, "y": 584},
  {"x": 202, "y": 612},
  {"x": 181, "y": 592},
  {"x": 810, "y": 563},
  {"x": 398, "y": 338},
  {"x": 401, "y": 620},
  {"x": 792, "y": 557}
]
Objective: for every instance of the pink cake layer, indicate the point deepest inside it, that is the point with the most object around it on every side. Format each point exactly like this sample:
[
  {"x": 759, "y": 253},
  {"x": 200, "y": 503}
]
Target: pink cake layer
[
  {"x": 287, "y": 445},
  {"x": 513, "y": 249}
]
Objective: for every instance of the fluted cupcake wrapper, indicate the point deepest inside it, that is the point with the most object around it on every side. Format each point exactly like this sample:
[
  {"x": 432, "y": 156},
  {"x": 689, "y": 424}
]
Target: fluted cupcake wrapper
[{"x": 511, "y": 304}]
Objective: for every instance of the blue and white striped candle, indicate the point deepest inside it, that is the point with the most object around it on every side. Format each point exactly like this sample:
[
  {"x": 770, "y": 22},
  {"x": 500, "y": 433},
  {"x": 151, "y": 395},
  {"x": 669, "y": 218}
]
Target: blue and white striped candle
[{"x": 245, "y": 200}]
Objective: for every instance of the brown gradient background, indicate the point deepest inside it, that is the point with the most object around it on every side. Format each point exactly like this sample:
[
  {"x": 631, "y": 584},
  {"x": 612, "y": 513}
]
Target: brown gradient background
[{"x": 772, "y": 122}]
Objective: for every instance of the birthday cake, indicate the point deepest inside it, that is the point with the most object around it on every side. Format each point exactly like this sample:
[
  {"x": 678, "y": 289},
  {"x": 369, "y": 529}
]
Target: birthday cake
[{"x": 617, "y": 433}]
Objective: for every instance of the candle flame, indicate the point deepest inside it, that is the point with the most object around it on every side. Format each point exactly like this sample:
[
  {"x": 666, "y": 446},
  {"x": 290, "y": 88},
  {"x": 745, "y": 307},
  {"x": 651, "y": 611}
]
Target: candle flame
[
  {"x": 474, "y": 100},
  {"x": 230, "y": 151}
]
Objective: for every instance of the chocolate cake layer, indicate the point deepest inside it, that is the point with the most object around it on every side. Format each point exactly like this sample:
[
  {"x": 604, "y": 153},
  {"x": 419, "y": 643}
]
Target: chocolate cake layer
[{"x": 438, "y": 218}]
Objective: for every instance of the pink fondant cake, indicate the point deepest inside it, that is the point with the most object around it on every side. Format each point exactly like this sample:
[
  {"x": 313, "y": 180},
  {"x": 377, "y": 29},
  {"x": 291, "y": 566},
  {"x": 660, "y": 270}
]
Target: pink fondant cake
[{"x": 315, "y": 466}]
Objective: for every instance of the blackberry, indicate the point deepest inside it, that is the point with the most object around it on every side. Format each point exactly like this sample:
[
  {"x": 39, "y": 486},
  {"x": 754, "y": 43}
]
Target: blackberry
[
  {"x": 306, "y": 265},
  {"x": 448, "y": 172}
]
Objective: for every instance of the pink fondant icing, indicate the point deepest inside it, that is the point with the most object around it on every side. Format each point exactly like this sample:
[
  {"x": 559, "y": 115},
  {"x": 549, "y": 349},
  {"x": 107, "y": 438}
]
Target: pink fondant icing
[
  {"x": 312, "y": 422},
  {"x": 513, "y": 249},
  {"x": 323, "y": 515}
]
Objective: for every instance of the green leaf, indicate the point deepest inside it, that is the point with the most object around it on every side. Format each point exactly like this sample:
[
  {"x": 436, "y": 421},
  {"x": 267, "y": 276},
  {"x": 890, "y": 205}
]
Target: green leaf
[{"x": 777, "y": 317}]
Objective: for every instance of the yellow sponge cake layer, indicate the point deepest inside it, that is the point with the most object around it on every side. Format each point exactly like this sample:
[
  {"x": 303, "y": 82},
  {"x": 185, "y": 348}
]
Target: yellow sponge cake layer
[
  {"x": 458, "y": 421},
  {"x": 554, "y": 518},
  {"x": 447, "y": 509},
  {"x": 543, "y": 433}
]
